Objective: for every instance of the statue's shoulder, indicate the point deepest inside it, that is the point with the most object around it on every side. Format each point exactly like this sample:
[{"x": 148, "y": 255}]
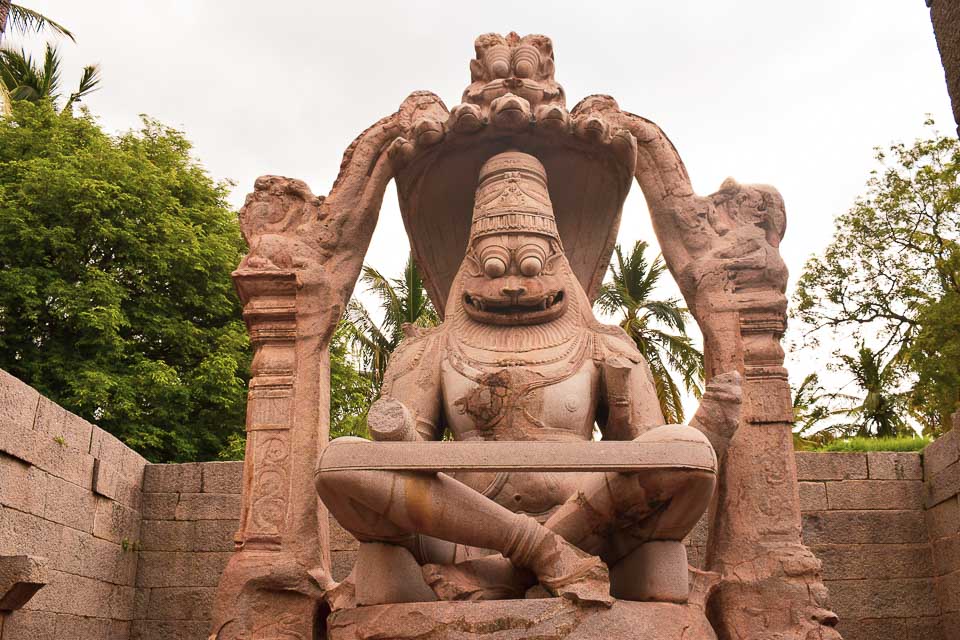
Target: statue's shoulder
[
  {"x": 414, "y": 332},
  {"x": 611, "y": 341},
  {"x": 419, "y": 342}
]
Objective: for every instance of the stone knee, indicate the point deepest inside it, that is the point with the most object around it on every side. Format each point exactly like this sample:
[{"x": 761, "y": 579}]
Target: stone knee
[
  {"x": 655, "y": 571},
  {"x": 353, "y": 497},
  {"x": 686, "y": 493},
  {"x": 335, "y": 485}
]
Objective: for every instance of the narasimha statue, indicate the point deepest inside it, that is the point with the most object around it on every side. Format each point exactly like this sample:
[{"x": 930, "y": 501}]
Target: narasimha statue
[{"x": 520, "y": 357}]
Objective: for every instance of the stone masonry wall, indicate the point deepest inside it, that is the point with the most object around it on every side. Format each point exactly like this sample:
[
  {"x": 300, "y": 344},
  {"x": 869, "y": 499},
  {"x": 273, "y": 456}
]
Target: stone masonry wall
[
  {"x": 863, "y": 517},
  {"x": 862, "y": 514},
  {"x": 190, "y": 513},
  {"x": 69, "y": 493},
  {"x": 941, "y": 463},
  {"x": 132, "y": 559}
]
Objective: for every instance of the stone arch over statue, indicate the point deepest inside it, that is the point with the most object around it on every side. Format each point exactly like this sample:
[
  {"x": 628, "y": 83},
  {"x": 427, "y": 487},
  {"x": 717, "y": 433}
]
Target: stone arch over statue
[{"x": 306, "y": 253}]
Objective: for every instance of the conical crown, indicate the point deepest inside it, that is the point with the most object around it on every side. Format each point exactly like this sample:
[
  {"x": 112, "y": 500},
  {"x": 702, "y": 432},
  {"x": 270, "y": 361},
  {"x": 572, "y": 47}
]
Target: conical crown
[{"x": 512, "y": 197}]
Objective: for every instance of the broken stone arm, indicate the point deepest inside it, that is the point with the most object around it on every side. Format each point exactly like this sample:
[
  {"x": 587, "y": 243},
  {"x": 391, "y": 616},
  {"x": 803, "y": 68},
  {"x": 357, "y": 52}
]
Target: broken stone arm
[
  {"x": 409, "y": 408},
  {"x": 629, "y": 401},
  {"x": 718, "y": 415}
]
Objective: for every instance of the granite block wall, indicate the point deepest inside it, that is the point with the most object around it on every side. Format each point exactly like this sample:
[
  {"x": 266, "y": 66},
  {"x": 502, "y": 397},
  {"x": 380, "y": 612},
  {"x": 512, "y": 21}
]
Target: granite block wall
[
  {"x": 190, "y": 513},
  {"x": 862, "y": 514},
  {"x": 941, "y": 488},
  {"x": 135, "y": 551},
  {"x": 70, "y": 494},
  {"x": 863, "y": 517}
]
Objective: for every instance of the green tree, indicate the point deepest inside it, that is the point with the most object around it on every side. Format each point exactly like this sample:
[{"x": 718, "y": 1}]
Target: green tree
[
  {"x": 115, "y": 292},
  {"x": 23, "y": 20},
  {"x": 24, "y": 79},
  {"x": 658, "y": 327},
  {"x": 880, "y": 412},
  {"x": 811, "y": 406},
  {"x": 934, "y": 356},
  {"x": 891, "y": 272},
  {"x": 402, "y": 301},
  {"x": 350, "y": 392}
]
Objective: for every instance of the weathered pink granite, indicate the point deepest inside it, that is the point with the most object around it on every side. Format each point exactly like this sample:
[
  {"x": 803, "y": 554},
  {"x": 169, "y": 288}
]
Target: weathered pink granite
[
  {"x": 519, "y": 373},
  {"x": 545, "y": 228},
  {"x": 889, "y": 561}
]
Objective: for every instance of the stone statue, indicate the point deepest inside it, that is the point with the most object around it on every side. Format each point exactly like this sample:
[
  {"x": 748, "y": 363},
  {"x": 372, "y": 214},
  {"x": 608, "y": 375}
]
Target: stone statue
[
  {"x": 520, "y": 357},
  {"x": 521, "y": 504}
]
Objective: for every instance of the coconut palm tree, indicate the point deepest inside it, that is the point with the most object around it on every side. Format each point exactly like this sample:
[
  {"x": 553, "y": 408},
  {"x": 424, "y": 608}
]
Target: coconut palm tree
[
  {"x": 21, "y": 19},
  {"x": 403, "y": 301},
  {"x": 880, "y": 412},
  {"x": 657, "y": 327},
  {"x": 811, "y": 407},
  {"x": 25, "y": 79}
]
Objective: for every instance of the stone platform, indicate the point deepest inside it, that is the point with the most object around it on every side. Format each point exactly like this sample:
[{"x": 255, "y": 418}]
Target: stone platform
[{"x": 544, "y": 619}]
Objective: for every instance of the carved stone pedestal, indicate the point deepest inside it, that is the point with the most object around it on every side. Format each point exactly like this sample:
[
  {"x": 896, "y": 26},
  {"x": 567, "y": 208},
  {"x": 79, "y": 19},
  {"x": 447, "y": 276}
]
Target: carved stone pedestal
[{"x": 546, "y": 619}]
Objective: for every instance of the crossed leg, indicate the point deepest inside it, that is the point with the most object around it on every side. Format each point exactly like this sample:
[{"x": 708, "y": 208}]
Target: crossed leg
[
  {"x": 389, "y": 506},
  {"x": 610, "y": 516}
]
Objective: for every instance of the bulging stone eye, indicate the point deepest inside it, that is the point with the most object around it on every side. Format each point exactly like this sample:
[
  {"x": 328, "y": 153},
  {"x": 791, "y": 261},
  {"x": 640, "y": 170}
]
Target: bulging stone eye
[
  {"x": 494, "y": 267},
  {"x": 526, "y": 59},
  {"x": 531, "y": 266}
]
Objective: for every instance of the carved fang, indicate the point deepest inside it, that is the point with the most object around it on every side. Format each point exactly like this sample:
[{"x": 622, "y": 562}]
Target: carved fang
[
  {"x": 592, "y": 128},
  {"x": 625, "y": 147},
  {"x": 400, "y": 153}
]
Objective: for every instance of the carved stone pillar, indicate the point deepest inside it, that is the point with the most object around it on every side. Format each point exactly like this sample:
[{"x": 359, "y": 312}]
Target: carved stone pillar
[
  {"x": 268, "y": 589},
  {"x": 305, "y": 256},
  {"x": 770, "y": 581}
]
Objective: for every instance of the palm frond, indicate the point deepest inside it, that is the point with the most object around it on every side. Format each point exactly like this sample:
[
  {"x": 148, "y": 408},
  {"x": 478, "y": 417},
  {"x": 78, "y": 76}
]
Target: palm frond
[
  {"x": 402, "y": 300},
  {"x": 609, "y": 298},
  {"x": 89, "y": 82},
  {"x": 683, "y": 358},
  {"x": 668, "y": 312},
  {"x": 24, "y": 20},
  {"x": 671, "y": 354},
  {"x": 25, "y": 79}
]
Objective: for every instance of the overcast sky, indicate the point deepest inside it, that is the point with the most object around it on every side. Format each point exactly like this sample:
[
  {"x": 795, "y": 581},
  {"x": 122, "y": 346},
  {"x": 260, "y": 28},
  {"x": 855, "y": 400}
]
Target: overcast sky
[{"x": 793, "y": 94}]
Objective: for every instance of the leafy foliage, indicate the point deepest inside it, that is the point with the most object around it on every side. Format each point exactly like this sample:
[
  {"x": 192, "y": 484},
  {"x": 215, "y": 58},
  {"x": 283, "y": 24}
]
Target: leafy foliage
[
  {"x": 402, "y": 301},
  {"x": 880, "y": 412},
  {"x": 891, "y": 274},
  {"x": 351, "y": 392},
  {"x": 903, "y": 443},
  {"x": 115, "y": 291},
  {"x": 668, "y": 350},
  {"x": 23, "y": 20},
  {"x": 25, "y": 79},
  {"x": 811, "y": 405}
]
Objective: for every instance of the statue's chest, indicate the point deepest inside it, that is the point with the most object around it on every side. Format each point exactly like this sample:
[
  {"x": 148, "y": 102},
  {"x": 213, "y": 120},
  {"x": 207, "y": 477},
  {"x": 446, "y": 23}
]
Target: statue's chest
[{"x": 520, "y": 403}]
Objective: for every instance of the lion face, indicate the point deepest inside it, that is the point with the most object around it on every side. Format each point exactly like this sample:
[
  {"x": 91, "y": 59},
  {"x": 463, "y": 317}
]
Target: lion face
[{"x": 513, "y": 279}]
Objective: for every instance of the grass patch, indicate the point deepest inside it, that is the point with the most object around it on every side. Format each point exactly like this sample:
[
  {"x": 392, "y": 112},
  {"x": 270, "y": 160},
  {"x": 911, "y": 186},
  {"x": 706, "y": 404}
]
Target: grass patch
[{"x": 915, "y": 443}]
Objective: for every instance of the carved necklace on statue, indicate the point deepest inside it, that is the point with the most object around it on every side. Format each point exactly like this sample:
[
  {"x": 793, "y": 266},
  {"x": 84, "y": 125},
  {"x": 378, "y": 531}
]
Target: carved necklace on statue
[{"x": 506, "y": 399}]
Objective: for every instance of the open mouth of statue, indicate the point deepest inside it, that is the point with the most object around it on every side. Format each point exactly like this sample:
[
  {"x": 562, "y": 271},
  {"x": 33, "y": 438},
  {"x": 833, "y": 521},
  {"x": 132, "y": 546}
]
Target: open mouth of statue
[
  {"x": 526, "y": 88},
  {"x": 515, "y": 310}
]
